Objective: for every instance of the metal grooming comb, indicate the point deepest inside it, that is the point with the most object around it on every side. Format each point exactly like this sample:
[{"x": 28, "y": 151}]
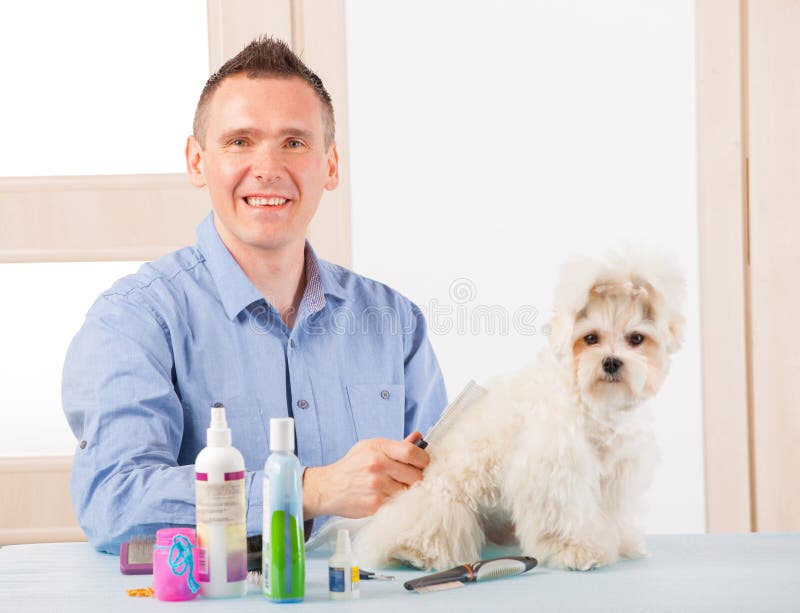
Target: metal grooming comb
[{"x": 471, "y": 392}]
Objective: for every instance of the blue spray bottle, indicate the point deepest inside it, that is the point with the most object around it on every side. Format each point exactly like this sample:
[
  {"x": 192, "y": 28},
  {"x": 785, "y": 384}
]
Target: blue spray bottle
[{"x": 283, "y": 556}]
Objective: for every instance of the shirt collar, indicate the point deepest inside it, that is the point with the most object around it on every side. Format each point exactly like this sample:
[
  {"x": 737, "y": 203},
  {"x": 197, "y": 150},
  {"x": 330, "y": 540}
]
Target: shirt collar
[
  {"x": 324, "y": 273},
  {"x": 237, "y": 292}
]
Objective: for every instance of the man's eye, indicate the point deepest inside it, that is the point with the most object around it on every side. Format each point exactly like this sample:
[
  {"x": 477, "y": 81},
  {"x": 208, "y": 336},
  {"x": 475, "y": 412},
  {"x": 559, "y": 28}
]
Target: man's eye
[
  {"x": 295, "y": 144},
  {"x": 636, "y": 339},
  {"x": 590, "y": 339},
  {"x": 239, "y": 142}
]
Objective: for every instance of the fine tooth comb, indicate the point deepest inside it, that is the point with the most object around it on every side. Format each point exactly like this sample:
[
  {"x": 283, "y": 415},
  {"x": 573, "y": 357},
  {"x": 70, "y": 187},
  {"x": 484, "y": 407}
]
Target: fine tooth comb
[
  {"x": 483, "y": 570},
  {"x": 471, "y": 392}
]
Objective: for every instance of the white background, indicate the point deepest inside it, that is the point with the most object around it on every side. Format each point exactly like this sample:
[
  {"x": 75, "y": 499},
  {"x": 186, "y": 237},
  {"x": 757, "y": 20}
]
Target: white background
[
  {"x": 491, "y": 141},
  {"x": 97, "y": 87}
]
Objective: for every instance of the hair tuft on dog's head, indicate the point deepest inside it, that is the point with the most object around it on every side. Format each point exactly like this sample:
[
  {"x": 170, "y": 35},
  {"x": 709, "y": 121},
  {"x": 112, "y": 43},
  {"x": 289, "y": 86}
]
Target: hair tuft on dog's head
[{"x": 663, "y": 274}]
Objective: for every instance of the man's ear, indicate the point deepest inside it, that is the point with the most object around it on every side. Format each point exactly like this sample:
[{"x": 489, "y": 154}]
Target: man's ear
[
  {"x": 333, "y": 168},
  {"x": 195, "y": 162}
]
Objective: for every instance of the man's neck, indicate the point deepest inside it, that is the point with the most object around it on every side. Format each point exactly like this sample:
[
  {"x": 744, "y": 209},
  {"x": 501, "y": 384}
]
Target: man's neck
[{"x": 278, "y": 274}]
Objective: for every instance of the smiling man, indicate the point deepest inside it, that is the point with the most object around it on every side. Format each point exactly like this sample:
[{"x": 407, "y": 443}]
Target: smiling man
[{"x": 252, "y": 318}]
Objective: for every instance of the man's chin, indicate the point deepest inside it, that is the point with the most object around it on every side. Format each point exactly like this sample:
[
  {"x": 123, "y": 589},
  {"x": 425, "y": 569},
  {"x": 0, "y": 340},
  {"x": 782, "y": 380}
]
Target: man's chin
[
  {"x": 268, "y": 243},
  {"x": 244, "y": 232}
]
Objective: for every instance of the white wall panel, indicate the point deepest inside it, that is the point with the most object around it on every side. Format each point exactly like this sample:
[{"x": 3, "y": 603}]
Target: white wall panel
[{"x": 490, "y": 141}]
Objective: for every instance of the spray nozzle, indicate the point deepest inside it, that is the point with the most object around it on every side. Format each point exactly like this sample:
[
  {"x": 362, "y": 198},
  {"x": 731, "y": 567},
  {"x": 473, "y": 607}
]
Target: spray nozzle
[
  {"x": 343, "y": 546},
  {"x": 218, "y": 420},
  {"x": 218, "y": 433}
]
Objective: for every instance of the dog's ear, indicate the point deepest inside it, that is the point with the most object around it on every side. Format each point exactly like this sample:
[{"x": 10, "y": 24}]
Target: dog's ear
[
  {"x": 675, "y": 332},
  {"x": 561, "y": 327},
  {"x": 669, "y": 283},
  {"x": 578, "y": 276}
]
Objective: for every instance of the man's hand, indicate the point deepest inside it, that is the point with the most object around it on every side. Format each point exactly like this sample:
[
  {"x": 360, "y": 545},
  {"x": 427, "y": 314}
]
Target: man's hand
[{"x": 367, "y": 476}]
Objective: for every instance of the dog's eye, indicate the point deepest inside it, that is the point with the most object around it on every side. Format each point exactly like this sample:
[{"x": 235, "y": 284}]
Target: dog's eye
[
  {"x": 590, "y": 339},
  {"x": 636, "y": 339}
]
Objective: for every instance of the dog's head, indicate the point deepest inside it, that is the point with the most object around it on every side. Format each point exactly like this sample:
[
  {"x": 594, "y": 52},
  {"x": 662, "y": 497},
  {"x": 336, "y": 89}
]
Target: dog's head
[{"x": 616, "y": 324}]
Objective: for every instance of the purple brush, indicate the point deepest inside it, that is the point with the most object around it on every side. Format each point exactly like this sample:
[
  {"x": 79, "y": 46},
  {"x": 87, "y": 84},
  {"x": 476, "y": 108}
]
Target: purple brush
[{"x": 136, "y": 556}]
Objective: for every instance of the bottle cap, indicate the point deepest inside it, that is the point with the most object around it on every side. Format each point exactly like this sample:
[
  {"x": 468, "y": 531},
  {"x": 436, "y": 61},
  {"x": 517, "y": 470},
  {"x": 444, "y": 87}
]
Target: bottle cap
[
  {"x": 281, "y": 434},
  {"x": 165, "y": 535},
  {"x": 343, "y": 546},
  {"x": 218, "y": 433}
]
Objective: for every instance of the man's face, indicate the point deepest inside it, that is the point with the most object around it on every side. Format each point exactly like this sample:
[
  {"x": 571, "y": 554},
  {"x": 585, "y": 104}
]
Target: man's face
[{"x": 264, "y": 161}]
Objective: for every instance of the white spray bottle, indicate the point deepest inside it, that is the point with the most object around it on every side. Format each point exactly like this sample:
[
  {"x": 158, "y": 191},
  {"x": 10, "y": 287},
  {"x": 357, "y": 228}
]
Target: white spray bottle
[{"x": 221, "y": 513}]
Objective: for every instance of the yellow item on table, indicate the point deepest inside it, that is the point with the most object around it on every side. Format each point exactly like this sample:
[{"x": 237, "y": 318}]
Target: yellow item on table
[{"x": 141, "y": 592}]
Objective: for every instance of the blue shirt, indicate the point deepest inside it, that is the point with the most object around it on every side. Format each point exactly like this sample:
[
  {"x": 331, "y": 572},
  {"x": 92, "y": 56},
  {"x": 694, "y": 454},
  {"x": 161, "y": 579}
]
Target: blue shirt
[{"x": 190, "y": 329}]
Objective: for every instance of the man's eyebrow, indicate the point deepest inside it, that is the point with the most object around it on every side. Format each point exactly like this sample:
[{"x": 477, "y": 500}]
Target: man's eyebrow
[
  {"x": 287, "y": 132},
  {"x": 298, "y": 132},
  {"x": 228, "y": 134}
]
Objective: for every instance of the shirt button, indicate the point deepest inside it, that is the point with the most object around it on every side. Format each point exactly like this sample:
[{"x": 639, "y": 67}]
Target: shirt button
[
  {"x": 302, "y": 404},
  {"x": 291, "y": 343},
  {"x": 385, "y": 394},
  {"x": 83, "y": 445}
]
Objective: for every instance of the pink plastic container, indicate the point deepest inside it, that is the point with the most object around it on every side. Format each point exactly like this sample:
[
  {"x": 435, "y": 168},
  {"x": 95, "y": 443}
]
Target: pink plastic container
[{"x": 175, "y": 564}]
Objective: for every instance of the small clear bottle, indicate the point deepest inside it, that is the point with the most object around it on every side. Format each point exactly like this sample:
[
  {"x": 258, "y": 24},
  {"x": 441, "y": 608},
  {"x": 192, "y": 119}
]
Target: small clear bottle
[
  {"x": 283, "y": 556},
  {"x": 343, "y": 572}
]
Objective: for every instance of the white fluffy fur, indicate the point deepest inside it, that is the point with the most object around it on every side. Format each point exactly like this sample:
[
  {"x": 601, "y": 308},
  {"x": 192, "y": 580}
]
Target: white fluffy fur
[{"x": 559, "y": 454}]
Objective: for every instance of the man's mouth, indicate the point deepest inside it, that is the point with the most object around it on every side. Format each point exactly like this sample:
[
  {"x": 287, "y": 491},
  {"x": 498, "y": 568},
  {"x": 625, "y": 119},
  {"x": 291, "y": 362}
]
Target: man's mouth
[{"x": 265, "y": 201}]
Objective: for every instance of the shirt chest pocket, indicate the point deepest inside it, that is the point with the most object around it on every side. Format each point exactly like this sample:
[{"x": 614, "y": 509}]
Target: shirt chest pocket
[{"x": 378, "y": 410}]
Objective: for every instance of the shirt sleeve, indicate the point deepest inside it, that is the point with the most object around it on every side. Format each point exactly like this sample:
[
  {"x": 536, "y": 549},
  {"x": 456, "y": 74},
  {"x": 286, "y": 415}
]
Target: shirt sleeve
[
  {"x": 121, "y": 404},
  {"x": 426, "y": 396}
]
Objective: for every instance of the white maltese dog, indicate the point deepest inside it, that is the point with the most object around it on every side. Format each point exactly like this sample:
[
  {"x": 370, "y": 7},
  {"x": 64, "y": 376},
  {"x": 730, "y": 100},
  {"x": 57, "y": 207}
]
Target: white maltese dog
[{"x": 558, "y": 455}]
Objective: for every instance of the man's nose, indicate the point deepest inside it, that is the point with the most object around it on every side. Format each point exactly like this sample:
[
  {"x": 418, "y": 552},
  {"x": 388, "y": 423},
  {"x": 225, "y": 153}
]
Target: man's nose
[
  {"x": 611, "y": 365},
  {"x": 268, "y": 165}
]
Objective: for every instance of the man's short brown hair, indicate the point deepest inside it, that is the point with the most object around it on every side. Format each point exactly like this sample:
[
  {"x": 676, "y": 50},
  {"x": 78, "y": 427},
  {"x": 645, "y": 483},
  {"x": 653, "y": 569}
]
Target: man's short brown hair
[{"x": 264, "y": 57}]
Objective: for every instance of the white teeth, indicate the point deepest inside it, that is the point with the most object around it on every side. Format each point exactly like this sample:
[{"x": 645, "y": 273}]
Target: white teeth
[{"x": 259, "y": 201}]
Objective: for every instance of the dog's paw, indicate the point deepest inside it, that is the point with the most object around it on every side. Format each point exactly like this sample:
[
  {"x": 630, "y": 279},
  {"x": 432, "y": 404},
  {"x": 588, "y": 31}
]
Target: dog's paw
[
  {"x": 579, "y": 557},
  {"x": 632, "y": 546},
  {"x": 416, "y": 557}
]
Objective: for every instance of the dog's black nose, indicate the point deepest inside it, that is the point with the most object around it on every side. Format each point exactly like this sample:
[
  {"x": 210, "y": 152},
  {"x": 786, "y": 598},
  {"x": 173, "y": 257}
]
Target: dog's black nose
[{"x": 611, "y": 365}]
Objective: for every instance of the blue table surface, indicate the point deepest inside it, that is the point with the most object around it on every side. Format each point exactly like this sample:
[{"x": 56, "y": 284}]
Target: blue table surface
[{"x": 756, "y": 573}]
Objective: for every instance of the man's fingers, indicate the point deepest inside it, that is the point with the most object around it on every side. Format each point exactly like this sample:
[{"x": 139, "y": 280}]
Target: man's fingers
[
  {"x": 405, "y": 474},
  {"x": 396, "y": 487},
  {"x": 404, "y": 451},
  {"x": 413, "y": 437}
]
